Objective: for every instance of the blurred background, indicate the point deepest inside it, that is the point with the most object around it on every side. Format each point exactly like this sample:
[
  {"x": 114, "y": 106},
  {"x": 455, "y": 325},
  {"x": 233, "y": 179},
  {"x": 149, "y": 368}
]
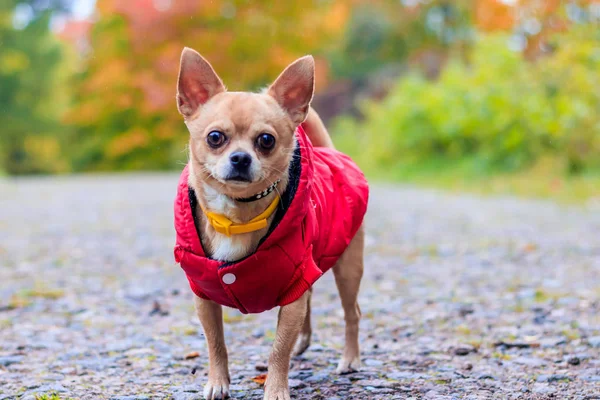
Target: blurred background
[{"x": 492, "y": 96}]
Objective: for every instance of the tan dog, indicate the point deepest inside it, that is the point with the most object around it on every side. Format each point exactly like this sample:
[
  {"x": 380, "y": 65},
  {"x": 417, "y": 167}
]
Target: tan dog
[{"x": 232, "y": 157}]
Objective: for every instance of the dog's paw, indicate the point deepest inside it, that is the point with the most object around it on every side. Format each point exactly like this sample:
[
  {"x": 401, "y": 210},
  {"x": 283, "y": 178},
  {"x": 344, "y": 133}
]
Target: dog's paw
[
  {"x": 216, "y": 388},
  {"x": 281, "y": 393},
  {"x": 301, "y": 344},
  {"x": 348, "y": 365}
]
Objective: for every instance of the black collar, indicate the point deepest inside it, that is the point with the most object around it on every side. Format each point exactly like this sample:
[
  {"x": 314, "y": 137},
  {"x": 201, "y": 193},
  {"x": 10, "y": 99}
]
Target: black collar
[{"x": 260, "y": 195}]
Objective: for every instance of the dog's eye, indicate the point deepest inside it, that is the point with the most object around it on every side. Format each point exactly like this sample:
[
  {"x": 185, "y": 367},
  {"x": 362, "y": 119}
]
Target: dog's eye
[
  {"x": 216, "y": 139},
  {"x": 265, "y": 141}
]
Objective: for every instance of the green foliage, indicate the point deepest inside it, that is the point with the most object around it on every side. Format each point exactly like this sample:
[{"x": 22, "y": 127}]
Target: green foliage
[
  {"x": 384, "y": 32},
  {"x": 51, "y": 396},
  {"x": 370, "y": 41},
  {"x": 496, "y": 113},
  {"x": 32, "y": 95}
]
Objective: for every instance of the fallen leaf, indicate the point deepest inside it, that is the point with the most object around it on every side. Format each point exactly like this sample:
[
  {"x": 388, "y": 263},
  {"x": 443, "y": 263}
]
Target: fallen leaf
[
  {"x": 191, "y": 355},
  {"x": 260, "y": 379},
  {"x": 529, "y": 247}
]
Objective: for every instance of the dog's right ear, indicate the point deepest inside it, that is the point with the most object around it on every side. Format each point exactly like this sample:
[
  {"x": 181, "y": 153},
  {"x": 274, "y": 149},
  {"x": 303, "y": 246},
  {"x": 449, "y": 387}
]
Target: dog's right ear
[{"x": 197, "y": 82}]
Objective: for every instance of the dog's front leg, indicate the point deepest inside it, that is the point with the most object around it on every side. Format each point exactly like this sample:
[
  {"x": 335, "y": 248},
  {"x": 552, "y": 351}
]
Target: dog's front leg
[
  {"x": 289, "y": 324},
  {"x": 211, "y": 318}
]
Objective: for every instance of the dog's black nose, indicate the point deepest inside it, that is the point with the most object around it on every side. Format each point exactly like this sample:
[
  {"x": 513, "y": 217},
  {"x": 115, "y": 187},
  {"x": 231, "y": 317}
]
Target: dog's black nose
[{"x": 240, "y": 160}]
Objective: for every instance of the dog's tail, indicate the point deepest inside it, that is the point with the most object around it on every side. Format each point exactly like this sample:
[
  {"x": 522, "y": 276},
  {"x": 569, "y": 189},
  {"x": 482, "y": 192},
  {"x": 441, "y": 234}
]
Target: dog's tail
[{"x": 316, "y": 131}]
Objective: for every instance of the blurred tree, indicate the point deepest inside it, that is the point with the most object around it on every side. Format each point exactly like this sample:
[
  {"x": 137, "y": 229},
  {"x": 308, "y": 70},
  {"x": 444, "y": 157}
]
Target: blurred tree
[
  {"x": 533, "y": 22},
  {"x": 125, "y": 110},
  {"x": 371, "y": 41},
  {"x": 500, "y": 112},
  {"x": 32, "y": 97},
  {"x": 384, "y": 32}
]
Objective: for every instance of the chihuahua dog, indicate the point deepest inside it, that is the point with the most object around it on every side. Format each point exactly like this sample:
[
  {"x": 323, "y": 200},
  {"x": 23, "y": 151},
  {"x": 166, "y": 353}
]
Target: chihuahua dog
[{"x": 265, "y": 206}]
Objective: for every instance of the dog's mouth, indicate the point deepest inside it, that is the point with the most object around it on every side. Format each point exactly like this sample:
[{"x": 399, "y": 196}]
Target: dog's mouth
[{"x": 238, "y": 178}]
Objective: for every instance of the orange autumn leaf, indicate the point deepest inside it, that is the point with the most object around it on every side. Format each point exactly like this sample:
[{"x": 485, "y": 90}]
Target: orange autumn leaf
[
  {"x": 529, "y": 247},
  {"x": 260, "y": 379},
  {"x": 127, "y": 142},
  {"x": 192, "y": 355},
  {"x": 492, "y": 15}
]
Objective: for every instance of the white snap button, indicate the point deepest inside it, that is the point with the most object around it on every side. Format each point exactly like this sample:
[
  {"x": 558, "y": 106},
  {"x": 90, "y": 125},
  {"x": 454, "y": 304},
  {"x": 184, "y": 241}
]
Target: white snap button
[{"x": 228, "y": 279}]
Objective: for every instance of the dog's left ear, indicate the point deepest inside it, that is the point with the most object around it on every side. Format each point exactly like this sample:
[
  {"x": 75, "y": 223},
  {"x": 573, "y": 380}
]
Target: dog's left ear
[
  {"x": 197, "y": 82},
  {"x": 294, "y": 88}
]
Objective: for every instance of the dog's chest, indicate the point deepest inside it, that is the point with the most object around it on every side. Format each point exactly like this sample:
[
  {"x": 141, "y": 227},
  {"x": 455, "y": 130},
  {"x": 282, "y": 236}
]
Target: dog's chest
[
  {"x": 221, "y": 247},
  {"x": 230, "y": 248}
]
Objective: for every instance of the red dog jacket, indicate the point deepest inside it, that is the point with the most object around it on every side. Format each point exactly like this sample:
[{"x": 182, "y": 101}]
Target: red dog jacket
[{"x": 318, "y": 216}]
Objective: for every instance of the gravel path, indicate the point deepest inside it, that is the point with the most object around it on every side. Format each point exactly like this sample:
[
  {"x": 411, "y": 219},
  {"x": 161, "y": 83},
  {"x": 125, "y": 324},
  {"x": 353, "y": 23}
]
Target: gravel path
[{"x": 462, "y": 298}]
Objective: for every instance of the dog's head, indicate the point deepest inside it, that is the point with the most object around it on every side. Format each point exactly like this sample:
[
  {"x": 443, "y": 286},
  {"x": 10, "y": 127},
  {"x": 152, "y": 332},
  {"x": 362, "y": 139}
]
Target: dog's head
[{"x": 241, "y": 142}]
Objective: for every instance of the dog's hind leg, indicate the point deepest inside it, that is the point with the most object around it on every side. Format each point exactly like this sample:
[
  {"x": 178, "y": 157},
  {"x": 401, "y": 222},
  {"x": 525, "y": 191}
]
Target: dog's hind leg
[
  {"x": 305, "y": 334},
  {"x": 211, "y": 317},
  {"x": 348, "y": 272}
]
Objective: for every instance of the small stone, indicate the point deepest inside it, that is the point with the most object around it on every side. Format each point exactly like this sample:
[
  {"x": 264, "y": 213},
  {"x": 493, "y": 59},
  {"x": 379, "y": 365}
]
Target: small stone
[
  {"x": 317, "y": 347},
  {"x": 139, "y": 352},
  {"x": 529, "y": 361},
  {"x": 68, "y": 371},
  {"x": 341, "y": 381},
  {"x": 296, "y": 383},
  {"x": 133, "y": 397},
  {"x": 191, "y": 388},
  {"x": 552, "y": 378},
  {"x": 375, "y": 383},
  {"x": 184, "y": 396},
  {"x": 319, "y": 377},
  {"x": 543, "y": 389},
  {"x": 403, "y": 375},
  {"x": 8, "y": 360},
  {"x": 53, "y": 387},
  {"x": 551, "y": 342},
  {"x": 466, "y": 310},
  {"x": 468, "y": 366},
  {"x": 590, "y": 378},
  {"x": 369, "y": 362},
  {"x": 379, "y": 390},
  {"x": 464, "y": 349},
  {"x": 54, "y": 377},
  {"x": 258, "y": 333},
  {"x": 300, "y": 374},
  {"x": 261, "y": 367},
  {"x": 594, "y": 341},
  {"x": 574, "y": 361}
]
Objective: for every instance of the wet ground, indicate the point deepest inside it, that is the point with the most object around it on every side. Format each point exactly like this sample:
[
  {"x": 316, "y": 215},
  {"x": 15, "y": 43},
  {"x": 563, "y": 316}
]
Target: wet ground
[{"x": 463, "y": 298}]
